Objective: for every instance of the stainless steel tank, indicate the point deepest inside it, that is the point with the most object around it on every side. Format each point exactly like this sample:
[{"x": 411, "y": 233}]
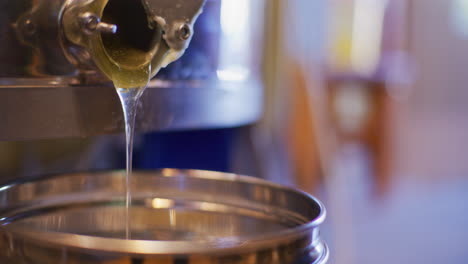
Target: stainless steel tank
[{"x": 50, "y": 87}]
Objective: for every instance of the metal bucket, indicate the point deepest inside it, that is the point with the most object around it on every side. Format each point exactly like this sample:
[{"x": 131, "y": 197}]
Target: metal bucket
[{"x": 176, "y": 217}]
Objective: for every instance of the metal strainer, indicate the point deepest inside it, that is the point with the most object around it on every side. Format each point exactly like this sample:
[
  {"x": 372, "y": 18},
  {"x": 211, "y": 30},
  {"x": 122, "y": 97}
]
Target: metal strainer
[{"x": 195, "y": 217}]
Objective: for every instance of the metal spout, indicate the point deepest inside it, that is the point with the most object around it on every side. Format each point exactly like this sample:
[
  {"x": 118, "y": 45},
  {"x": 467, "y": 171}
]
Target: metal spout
[{"x": 126, "y": 34}]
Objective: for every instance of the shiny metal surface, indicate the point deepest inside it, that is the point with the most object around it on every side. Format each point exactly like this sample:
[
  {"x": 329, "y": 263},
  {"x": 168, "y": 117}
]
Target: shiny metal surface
[
  {"x": 30, "y": 42},
  {"x": 36, "y": 113},
  {"x": 42, "y": 76},
  {"x": 177, "y": 217},
  {"x": 153, "y": 33},
  {"x": 174, "y": 16}
]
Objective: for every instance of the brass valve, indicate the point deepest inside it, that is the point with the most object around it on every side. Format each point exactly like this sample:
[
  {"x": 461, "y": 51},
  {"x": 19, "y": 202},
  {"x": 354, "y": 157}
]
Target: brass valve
[{"x": 126, "y": 35}]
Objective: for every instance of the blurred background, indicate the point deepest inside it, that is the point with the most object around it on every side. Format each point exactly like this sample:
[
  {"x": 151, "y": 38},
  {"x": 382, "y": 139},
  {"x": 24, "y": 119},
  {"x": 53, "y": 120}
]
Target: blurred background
[
  {"x": 380, "y": 85},
  {"x": 365, "y": 107}
]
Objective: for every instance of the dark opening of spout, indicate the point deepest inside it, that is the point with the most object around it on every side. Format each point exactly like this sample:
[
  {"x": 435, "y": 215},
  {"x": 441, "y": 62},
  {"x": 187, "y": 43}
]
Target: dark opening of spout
[{"x": 135, "y": 37}]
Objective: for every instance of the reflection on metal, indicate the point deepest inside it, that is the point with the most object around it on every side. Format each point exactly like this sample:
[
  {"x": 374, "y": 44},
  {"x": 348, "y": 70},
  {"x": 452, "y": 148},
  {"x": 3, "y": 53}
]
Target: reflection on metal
[
  {"x": 43, "y": 112},
  {"x": 238, "y": 33},
  {"x": 234, "y": 74}
]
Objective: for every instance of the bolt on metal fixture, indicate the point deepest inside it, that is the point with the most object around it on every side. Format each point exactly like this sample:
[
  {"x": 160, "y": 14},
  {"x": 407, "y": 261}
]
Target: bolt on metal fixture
[{"x": 91, "y": 24}]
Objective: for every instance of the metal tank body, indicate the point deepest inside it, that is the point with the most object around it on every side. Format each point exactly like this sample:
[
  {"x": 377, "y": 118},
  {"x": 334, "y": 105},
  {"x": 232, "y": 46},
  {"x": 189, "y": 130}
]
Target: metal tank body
[{"x": 50, "y": 88}]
